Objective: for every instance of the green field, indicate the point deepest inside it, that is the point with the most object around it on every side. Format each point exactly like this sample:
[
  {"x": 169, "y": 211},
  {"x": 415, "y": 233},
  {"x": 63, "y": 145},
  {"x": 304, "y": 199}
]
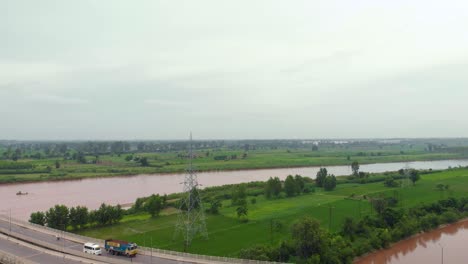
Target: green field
[
  {"x": 173, "y": 162},
  {"x": 227, "y": 235}
]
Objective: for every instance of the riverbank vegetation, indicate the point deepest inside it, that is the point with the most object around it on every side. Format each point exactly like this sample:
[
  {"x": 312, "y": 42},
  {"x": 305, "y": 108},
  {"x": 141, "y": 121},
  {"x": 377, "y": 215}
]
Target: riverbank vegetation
[
  {"x": 48, "y": 161},
  {"x": 261, "y": 220},
  {"x": 61, "y": 217}
]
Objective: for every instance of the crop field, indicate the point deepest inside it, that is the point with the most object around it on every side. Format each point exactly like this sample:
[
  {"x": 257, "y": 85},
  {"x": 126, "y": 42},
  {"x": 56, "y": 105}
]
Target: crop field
[
  {"x": 270, "y": 220},
  {"x": 47, "y": 169}
]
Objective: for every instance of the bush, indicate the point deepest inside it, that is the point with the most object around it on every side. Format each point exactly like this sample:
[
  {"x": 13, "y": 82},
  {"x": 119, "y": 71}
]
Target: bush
[
  {"x": 257, "y": 252},
  {"x": 449, "y": 217},
  {"x": 429, "y": 222},
  {"x": 330, "y": 183}
]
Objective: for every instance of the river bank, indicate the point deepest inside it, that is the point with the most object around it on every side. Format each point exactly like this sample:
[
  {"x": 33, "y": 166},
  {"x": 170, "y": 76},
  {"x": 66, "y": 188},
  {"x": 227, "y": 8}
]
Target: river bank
[
  {"x": 419, "y": 248},
  {"x": 117, "y": 166},
  {"x": 126, "y": 172},
  {"x": 91, "y": 192}
]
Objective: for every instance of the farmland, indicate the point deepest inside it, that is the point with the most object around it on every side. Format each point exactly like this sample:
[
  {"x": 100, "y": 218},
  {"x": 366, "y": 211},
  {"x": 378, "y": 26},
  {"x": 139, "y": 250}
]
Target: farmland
[
  {"x": 62, "y": 162},
  {"x": 270, "y": 220}
]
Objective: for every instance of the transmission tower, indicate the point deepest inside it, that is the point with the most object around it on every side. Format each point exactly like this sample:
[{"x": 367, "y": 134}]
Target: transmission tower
[
  {"x": 191, "y": 218},
  {"x": 405, "y": 181},
  {"x": 407, "y": 173}
]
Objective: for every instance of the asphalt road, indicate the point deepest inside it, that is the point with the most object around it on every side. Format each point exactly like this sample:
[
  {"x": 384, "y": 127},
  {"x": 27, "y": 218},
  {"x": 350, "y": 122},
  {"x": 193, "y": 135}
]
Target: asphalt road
[
  {"x": 74, "y": 246},
  {"x": 32, "y": 254}
]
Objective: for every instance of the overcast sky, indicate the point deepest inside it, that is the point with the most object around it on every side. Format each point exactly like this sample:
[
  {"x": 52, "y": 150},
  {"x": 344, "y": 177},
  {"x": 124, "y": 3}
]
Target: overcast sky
[{"x": 233, "y": 69}]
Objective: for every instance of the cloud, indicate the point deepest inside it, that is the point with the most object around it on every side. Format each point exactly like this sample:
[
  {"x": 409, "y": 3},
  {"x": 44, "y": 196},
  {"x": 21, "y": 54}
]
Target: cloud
[
  {"x": 165, "y": 103},
  {"x": 56, "y": 100},
  {"x": 19, "y": 72}
]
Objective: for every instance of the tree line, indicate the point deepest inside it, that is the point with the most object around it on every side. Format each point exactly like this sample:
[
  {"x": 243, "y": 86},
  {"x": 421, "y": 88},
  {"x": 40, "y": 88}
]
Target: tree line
[{"x": 61, "y": 217}]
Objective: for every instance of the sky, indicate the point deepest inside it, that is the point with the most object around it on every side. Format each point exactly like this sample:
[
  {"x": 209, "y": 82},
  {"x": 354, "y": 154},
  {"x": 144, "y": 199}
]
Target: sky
[{"x": 244, "y": 69}]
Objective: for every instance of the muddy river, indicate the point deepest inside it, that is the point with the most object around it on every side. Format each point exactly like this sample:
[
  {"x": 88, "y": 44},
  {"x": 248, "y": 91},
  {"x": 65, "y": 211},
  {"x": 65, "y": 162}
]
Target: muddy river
[
  {"x": 427, "y": 248},
  {"x": 125, "y": 189}
]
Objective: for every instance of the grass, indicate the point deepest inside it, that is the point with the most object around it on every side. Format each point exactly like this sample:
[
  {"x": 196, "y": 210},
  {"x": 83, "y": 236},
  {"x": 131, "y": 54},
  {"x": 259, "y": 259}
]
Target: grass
[
  {"x": 172, "y": 162},
  {"x": 227, "y": 235}
]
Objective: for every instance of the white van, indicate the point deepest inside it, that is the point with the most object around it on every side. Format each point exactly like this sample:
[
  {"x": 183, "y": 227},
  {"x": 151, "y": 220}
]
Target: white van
[{"x": 92, "y": 248}]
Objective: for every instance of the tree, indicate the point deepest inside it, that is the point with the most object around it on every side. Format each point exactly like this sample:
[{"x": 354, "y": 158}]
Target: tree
[
  {"x": 379, "y": 205},
  {"x": 300, "y": 184},
  {"x": 117, "y": 147},
  {"x": 191, "y": 199},
  {"x": 92, "y": 217},
  {"x": 57, "y": 217},
  {"x": 290, "y": 186},
  {"x": 38, "y": 218},
  {"x": 355, "y": 168},
  {"x": 239, "y": 195},
  {"x": 17, "y": 155},
  {"x": 153, "y": 205},
  {"x": 242, "y": 211},
  {"x": 273, "y": 187},
  {"x": 57, "y": 164},
  {"x": 107, "y": 214},
  {"x": 349, "y": 228},
  {"x": 103, "y": 214},
  {"x": 308, "y": 238},
  {"x": 116, "y": 213},
  {"x": 138, "y": 205},
  {"x": 390, "y": 182},
  {"x": 330, "y": 183},
  {"x": 80, "y": 157},
  {"x": 414, "y": 176},
  {"x": 321, "y": 175},
  {"x": 78, "y": 216},
  {"x": 144, "y": 162},
  {"x": 391, "y": 216},
  {"x": 214, "y": 206}
]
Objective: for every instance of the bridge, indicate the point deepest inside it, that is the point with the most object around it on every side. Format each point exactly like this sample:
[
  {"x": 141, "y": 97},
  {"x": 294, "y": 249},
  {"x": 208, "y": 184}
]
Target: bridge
[{"x": 24, "y": 242}]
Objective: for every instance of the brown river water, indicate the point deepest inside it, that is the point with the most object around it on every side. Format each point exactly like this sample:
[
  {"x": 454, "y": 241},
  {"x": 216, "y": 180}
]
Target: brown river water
[
  {"x": 125, "y": 189},
  {"x": 427, "y": 248}
]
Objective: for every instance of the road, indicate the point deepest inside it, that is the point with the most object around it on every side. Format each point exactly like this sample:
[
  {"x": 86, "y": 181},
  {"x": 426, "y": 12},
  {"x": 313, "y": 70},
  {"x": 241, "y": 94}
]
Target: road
[
  {"x": 33, "y": 254},
  {"x": 72, "y": 245}
]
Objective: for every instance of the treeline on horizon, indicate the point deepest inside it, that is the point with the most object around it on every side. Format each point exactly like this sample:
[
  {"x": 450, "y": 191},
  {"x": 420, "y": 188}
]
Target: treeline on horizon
[{"x": 15, "y": 150}]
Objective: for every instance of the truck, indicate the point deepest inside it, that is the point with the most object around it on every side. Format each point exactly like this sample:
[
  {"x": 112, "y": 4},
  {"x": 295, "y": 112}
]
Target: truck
[{"x": 120, "y": 247}]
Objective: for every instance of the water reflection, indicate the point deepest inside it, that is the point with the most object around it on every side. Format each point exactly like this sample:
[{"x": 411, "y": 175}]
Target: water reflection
[{"x": 426, "y": 248}]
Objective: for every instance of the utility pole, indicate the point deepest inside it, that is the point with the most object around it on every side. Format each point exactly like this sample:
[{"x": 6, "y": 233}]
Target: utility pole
[
  {"x": 359, "y": 205},
  {"x": 10, "y": 222},
  {"x": 442, "y": 256},
  {"x": 63, "y": 243},
  {"x": 271, "y": 231}
]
